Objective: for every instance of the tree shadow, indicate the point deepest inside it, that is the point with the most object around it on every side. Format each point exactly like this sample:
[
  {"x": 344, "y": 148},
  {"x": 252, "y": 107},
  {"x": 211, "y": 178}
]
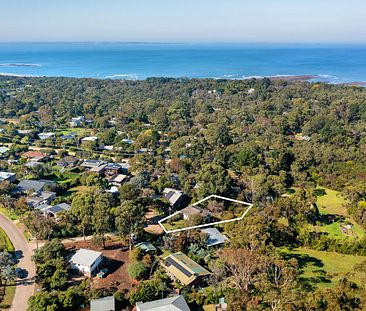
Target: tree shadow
[
  {"x": 304, "y": 260},
  {"x": 320, "y": 275},
  {"x": 330, "y": 219}
]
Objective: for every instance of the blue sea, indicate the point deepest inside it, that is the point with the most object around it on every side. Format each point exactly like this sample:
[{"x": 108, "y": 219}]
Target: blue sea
[{"x": 330, "y": 63}]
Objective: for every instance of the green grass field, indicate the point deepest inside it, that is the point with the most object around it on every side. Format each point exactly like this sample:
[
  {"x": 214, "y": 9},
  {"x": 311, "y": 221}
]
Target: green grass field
[
  {"x": 9, "y": 214},
  {"x": 6, "y": 292},
  {"x": 324, "y": 269},
  {"x": 331, "y": 203},
  {"x": 5, "y": 243}
]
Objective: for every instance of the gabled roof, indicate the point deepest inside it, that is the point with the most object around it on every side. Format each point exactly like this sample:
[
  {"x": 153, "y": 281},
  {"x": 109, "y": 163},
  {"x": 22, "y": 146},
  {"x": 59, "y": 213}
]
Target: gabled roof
[
  {"x": 85, "y": 257},
  {"x": 69, "y": 159},
  {"x": 34, "y": 154},
  {"x": 146, "y": 246},
  {"x": 172, "y": 195},
  {"x": 90, "y": 138},
  {"x": 176, "y": 303},
  {"x": 184, "y": 268},
  {"x": 103, "y": 304},
  {"x": 214, "y": 237},
  {"x": 26, "y": 184}
]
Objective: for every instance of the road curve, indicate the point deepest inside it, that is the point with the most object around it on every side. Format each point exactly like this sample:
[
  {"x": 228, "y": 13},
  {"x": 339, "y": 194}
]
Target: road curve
[{"x": 25, "y": 287}]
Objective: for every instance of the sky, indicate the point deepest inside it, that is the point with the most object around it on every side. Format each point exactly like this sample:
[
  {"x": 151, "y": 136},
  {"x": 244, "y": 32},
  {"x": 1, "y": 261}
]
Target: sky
[{"x": 267, "y": 21}]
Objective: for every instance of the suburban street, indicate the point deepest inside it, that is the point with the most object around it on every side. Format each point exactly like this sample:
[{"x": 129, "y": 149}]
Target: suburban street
[{"x": 25, "y": 287}]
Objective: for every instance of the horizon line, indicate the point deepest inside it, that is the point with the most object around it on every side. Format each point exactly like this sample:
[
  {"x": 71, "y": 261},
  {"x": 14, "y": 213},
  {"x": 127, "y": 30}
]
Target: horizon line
[{"x": 182, "y": 42}]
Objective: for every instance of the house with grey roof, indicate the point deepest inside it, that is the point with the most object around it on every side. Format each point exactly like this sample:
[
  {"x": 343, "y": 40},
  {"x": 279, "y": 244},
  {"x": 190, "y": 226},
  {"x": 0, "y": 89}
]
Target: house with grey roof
[
  {"x": 68, "y": 161},
  {"x": 214, "y": 237},
  {"x": 54, "y": 210},
  {"x": 30, "y": 185},
  {"x": 103, "y": 304},
  {"x": 146, "y": 247},
  {"x": 42, "y": 197},
  {"x": 176, "y": 303},
  {"x": 86, "y": 261},
  {"x": 175, "y": 197}
]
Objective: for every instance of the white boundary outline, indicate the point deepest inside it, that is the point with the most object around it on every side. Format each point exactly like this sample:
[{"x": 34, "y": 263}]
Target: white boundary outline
[{"x": 209, "y": 224}]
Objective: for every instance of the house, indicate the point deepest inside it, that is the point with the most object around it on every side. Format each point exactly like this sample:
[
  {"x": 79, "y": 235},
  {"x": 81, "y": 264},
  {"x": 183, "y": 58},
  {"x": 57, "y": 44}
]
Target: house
[
  {"x": 86, "y": 261},
  {"x": 98, "y": 169},
  {"x": 214, "y": 237},
  {"x": 103, "y": 304},
  {"x": 42, "y": 197},
  {"x": 125, "y": 166},
  {"x": 4, "y": 152},
  {"x": 90, "y": 138},
  {"x": 24, "y": 132},
  {"x": 113, "y": 190},
  {"x": 54, "y": 210},
  {"x": 175, "y": 197},
  {"x": 32, "y": 185},
  {"x": 118, "y": 180},
  {"x": 34, "y": 156},
  {"x": 113, "y": 169},
  {"x": 147, "y": 247},
  {"x": 92, "y": 163},
  {"x": 7, "y": 176},
  {"x": 68, "y": 161},
  {"x": 32, "y": 164},
  {"x": 192, "y": 211},
  {"x": 127, "y": 141},
  {"x": 182, "y": 268},
  {"x": 69, "y": 136},
  {"x": 44, "y": 136},
  {"x": 176, "y": 303},
  {"x": 77, "y": 121}
]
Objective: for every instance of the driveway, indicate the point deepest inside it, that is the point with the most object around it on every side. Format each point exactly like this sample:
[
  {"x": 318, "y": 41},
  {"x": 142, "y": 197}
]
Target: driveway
[{"x": 25, "y": 287}]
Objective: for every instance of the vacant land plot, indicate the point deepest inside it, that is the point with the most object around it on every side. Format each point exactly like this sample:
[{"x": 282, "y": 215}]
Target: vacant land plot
[
  {"x": 324, "y": 269},
  {"x": 331, "y": 202}
]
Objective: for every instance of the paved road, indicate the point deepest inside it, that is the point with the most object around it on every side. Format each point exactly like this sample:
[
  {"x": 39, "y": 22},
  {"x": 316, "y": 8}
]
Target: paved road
[{"x": 25, "y": 288}]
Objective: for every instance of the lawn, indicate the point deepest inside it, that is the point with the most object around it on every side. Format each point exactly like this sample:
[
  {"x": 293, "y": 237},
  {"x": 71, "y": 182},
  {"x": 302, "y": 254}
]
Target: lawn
[
  {"x": 11, "y": 215},
  {"x": 5, "y": 243},
  {"x": 324, "y": 269},
  {"x": 331, "y": 203},
  {"x": 6, "y": 292}
]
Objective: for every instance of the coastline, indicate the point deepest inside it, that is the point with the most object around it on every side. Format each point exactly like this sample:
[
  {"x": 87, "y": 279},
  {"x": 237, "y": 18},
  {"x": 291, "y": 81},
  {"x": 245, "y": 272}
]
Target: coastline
[{"x": 288, "y": 78}]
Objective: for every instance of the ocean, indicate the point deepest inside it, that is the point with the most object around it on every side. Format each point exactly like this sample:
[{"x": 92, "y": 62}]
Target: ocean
[{"x": 329, "y": 63}]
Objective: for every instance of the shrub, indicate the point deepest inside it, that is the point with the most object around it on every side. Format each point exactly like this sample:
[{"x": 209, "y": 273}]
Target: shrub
[{"x": 137, "y": 270}]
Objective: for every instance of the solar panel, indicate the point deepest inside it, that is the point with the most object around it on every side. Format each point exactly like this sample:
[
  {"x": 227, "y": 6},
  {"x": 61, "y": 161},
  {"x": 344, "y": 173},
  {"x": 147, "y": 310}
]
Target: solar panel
[{"x": 171, "y": 262}]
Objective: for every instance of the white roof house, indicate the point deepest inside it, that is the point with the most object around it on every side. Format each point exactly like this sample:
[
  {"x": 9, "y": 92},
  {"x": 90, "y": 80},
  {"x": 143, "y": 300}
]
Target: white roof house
[
  {"x": 4, "y": 150},
  {"x": 90, "y": 138},
  {"x": 47, "y": 135},
  {"x": 176, "y": 303},
  {"x": 86, "y": 261},
  {"x": 7, "y": 176}
]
